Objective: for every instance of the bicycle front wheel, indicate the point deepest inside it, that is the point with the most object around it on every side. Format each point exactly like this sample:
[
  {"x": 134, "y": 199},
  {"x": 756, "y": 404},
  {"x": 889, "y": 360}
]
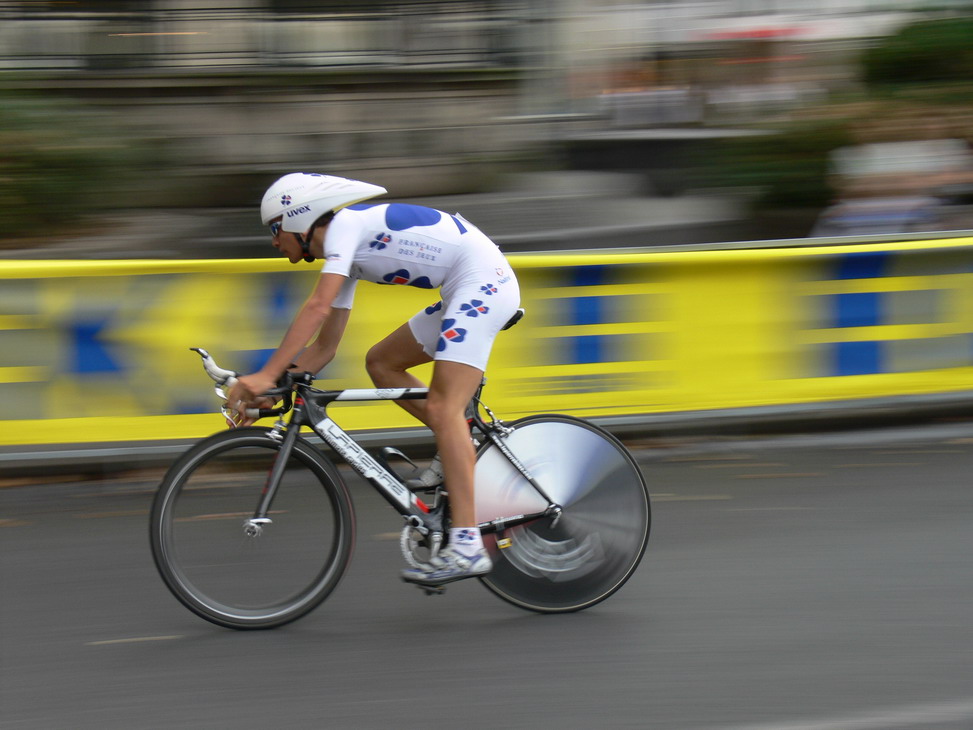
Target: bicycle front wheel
[
  {"x": 601, "y": 536},
  {"x": 230, "y": 570}
]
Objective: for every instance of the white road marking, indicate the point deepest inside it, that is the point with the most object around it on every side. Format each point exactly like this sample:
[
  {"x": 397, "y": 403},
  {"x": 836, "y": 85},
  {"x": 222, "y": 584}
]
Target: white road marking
[
  {"x": 690, "y": 497},
  {"x": 911, "y": 716},
  {"x": 135, "y": 640},
  {"x": 770, "y": 509}
]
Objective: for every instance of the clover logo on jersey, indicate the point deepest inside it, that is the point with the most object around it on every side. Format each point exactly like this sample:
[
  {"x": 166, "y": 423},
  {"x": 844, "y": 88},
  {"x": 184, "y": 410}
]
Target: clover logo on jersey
[
  {"x": 474, "y": 309},
  {"x": 381, "y": 241},
  {"x": 488, "y": 289},
  {"x": 450, "y": 333},
  {"x": 402, "y": 276},
  {"x": 285, "y": 199},
  {"x": 434, "y": 308}
]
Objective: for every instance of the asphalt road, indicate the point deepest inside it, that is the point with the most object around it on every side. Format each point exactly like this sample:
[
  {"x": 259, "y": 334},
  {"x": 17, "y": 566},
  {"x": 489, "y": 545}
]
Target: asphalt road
[{"x": 800, "y": 583}]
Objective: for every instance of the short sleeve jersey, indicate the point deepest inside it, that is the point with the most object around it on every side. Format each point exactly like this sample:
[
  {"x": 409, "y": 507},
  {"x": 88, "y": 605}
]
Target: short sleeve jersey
[{"x": 396, "y": 243}]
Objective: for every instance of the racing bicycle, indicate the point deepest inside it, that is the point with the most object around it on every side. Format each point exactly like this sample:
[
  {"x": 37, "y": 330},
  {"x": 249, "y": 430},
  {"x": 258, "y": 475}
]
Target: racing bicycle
[{"x": 253, "y": 527}]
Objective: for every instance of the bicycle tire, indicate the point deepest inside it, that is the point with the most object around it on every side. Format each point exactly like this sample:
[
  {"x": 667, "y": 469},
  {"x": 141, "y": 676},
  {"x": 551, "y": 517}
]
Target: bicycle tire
[
  {"x": 602, "y": 534},
  {"x": 238, "y": 581}
]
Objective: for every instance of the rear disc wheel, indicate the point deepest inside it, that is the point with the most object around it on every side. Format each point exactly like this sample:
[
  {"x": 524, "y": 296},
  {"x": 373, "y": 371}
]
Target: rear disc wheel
[{"x": 596, "y": 545}]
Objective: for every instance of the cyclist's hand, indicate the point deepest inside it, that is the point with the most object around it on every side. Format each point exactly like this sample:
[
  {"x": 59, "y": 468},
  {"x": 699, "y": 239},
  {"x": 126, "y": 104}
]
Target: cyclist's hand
[
  {"x": 238, "y": 416},
  {"x": 243, "y": 395}
]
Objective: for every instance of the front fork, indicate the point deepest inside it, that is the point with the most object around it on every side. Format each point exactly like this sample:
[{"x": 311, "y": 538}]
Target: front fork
[{"x": 254, "y": 526}]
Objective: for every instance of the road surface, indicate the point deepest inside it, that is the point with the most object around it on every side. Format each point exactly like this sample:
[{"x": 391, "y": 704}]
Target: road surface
[{"x": 799, "y": 583}]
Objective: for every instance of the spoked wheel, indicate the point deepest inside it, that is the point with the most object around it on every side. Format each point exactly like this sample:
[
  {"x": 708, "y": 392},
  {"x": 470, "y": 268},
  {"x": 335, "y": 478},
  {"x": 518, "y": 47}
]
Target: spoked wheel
[
  {"x": 236, "y": 572},
  {"x": 601, "y": 536}
]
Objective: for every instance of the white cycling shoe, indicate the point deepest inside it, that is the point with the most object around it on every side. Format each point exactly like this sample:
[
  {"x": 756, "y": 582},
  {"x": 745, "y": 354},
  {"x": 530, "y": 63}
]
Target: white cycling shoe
[{"x": 448, "y": 566}]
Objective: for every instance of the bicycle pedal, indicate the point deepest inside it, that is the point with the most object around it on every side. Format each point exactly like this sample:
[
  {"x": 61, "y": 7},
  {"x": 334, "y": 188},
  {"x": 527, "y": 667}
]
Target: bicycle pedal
[{"x": 431, "y": 590}]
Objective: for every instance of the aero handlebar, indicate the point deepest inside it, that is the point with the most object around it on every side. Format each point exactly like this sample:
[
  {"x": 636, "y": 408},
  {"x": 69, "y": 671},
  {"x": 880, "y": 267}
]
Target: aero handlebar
[{"x": 225, "y": 379}]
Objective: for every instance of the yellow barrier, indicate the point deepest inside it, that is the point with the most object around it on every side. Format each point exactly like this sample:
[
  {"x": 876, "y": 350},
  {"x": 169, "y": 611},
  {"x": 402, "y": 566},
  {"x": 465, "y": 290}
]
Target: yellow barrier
[{"x": 98, "y": 351}]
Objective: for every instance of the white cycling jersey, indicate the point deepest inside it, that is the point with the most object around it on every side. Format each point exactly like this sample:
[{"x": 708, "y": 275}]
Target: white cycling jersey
[{"x": 410, "y": 245}]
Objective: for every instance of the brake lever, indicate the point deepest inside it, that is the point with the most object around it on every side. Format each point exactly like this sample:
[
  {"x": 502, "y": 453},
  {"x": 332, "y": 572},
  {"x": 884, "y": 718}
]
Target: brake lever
[{"x": 226, "y": 379}]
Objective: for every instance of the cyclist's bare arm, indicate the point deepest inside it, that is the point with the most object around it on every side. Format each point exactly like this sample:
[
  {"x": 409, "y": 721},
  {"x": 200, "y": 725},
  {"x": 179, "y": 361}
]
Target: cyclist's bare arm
[
  {"x": 309, "y": 322},
  {"x": 306, "y": 325},
  {"x": 322, "y": 351}
]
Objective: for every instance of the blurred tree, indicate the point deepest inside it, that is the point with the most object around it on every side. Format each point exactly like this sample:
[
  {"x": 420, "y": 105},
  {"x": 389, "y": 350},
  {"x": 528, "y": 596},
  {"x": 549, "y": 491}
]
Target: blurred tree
[
  {"x": 933, "y": 50},
  {"x": 787, "y": 168},
  {"x": 58, "y": 163}
]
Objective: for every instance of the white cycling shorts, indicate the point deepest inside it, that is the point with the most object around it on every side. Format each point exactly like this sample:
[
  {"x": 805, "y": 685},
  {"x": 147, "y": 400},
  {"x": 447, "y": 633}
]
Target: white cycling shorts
[{"x": 462, "y": 326}]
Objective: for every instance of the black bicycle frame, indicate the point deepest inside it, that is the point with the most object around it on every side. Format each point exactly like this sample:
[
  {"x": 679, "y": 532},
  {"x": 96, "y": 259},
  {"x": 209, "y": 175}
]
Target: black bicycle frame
[{"x": 310, "y": 409}]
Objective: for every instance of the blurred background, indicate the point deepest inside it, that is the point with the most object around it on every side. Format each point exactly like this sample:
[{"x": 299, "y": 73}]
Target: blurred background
[
  {"x": 789, "y": 582},
  {"x": 150, "y": 128}
]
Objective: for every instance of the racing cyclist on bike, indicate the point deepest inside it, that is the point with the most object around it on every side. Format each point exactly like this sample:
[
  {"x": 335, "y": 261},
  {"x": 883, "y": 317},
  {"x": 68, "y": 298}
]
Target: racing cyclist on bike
[{"x": 315, "y": 216}]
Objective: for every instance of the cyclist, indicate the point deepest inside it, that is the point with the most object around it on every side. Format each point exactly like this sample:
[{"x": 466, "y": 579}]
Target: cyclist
[{"x": 315, "y": 216}]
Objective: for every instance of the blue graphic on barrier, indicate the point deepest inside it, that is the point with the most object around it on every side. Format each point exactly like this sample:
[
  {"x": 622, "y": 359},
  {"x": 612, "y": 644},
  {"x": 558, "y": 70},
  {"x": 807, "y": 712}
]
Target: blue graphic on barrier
[
  {"x": 256, "y": 359},
  {"x": 587, "y": 348},
  {"x": 590, "y": 275},
  {"x": 280, "y": 298},
  {"x": 858, "y": 358},
  {"x": 859, "y": 309},
  {"x": 192, "y": 408},
  {"x": 588, "y": 310},
  {"x": 581, "y": 310},
  {"x": 864, "y": 265},
  {"x": 89, "y": 354}
]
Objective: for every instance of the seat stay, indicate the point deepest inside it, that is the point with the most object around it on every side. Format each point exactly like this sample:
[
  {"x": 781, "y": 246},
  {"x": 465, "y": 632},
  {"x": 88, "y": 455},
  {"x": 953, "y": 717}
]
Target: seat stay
[{"x": 497, "y": 432}]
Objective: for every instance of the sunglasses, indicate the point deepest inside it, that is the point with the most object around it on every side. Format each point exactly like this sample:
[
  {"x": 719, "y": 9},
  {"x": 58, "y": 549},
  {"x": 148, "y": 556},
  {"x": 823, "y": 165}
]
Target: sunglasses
[{"x": 275, "y": 228}]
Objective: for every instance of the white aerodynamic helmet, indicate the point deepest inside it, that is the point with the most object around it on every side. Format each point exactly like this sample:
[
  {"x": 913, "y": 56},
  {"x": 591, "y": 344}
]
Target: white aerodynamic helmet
[{"x": 302, "y": 198}]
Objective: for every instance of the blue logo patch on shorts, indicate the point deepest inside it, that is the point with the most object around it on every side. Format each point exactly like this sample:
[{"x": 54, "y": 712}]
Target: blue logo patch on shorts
[
  {"x": 474, "y": 309},
  {"x": 450, "y": 333}
]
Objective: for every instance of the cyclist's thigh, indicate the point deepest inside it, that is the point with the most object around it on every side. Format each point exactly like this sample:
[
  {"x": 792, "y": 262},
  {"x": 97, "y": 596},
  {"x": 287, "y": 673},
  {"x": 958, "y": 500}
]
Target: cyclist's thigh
[
  {"x": 401, "y": 349},
  {"x": 425, "y": 326}
]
